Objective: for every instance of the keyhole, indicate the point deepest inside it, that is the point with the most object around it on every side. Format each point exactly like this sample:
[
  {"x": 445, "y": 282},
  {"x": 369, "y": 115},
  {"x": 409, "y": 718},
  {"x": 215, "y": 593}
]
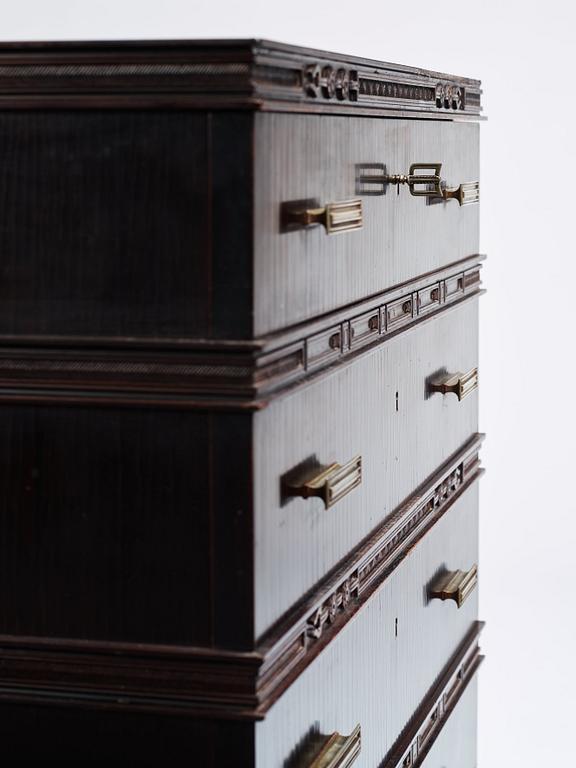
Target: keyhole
[{"x": 396, "y": 402}]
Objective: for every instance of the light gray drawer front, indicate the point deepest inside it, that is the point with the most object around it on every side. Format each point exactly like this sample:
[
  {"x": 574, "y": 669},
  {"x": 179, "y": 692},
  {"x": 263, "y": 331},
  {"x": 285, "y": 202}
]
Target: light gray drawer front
[
  {"x": 378, "y": 408},
  {"x": 301, "y": 274},
  {"x": 380, "y": 667}
]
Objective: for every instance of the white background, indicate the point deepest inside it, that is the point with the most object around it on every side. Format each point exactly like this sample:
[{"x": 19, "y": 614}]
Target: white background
[{"x": 523, "y": 53}]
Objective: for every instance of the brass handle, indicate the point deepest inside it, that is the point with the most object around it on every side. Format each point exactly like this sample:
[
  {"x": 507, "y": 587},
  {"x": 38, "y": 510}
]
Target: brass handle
[
  {"x": 338, "y": 751},
  {"x": 329, "y": 483},
  {"x": 423, "y": 180},
  {"x": 344, "y": 216},
  {"x": 459, "y": 384},
  {"x": 466, "y": 193},
  {"x": 455, "y": 585}
]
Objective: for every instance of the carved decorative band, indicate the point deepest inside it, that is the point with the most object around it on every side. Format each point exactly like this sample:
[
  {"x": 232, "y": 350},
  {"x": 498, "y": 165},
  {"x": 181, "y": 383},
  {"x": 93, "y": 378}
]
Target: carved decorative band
[
  {"x": 388, "y": 89},
  {"x": 245, "y": 74},
  {"x": 340, "y": 84},
  {"x": 444, "y": 96},
  {"x": 229, "y": 375},
  {"x": 415, "y": 742},
  {"x": 330, "y": 83},
  {"x": 226, "y": 684}
]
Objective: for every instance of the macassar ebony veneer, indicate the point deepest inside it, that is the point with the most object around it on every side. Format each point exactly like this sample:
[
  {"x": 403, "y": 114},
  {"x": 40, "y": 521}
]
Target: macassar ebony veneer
[
  {"x": 151, "y": 189},
  {"x": 239, "y": 377}
]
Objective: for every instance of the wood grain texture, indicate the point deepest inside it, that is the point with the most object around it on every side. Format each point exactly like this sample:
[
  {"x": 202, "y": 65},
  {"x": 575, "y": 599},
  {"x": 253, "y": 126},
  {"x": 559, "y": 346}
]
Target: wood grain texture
[
  {"x": 119, "y": 216},
  {"x": 114, "y": 520},
  {"x": 72, "y": 736},
  {"x": 383, "y": 663},
  {"x": 355, "y": 411},
  {"x": 298, "y": 275}
]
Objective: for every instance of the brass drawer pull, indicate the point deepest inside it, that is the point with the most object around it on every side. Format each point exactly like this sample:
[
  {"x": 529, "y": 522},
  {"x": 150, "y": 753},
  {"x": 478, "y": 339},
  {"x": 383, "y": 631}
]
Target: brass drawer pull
[
  {"x": 344, "y": 216},
  {"x": 329, "y": 483},
  {"x": 423, "y": 180},
  {"x": 455, "y": 585},
  {"x": 466, "y": 193},
  {"x": 338, "y": 751},
  {"x": 459, "y": 384}
]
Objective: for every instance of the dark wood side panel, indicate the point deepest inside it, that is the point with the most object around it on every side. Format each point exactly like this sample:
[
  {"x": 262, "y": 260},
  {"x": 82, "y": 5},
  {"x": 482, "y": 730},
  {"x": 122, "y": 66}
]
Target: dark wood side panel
[
  {"x": 233, "y": 536},
  {"x": 77, "y": 736},
  {"x": 232, "y": 224},
  {"x": 107, "y": 223},
  {"x": 106, "y": 525}
]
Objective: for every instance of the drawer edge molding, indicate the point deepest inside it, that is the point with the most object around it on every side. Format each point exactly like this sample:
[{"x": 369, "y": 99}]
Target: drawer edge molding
[
  {"x": 226, "y": 375},
  {"x": 204, "y": 682},
  {"x": 423, "y": 728}
]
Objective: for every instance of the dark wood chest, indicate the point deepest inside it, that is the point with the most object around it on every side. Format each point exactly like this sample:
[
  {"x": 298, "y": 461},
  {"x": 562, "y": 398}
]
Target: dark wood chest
[{"x": 238, "y": 407}]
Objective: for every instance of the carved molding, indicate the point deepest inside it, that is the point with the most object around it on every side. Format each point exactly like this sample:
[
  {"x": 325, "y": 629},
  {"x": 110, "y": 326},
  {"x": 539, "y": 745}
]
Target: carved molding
[
  {"x": 226, "y": 74},
  {"x": 208, "y": 682},
  {"x": 338, "y": 601},
  {"x": 244, "y": 375},
  {"x": 444, "y": 95},
  {"x": 330, "y": 83},
  {"x": 424, "y": 727}
]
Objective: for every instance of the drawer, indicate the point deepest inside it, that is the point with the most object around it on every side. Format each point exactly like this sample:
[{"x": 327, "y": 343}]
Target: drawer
[
  {"x": 379, "y": 411},
  {"x": 382, "y": 665},
  {"x": 301, "y": 272}
]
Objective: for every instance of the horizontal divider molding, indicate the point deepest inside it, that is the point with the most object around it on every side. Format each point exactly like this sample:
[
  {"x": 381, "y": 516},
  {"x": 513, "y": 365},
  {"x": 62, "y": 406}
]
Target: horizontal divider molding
[{"x": 211, "y": 375}]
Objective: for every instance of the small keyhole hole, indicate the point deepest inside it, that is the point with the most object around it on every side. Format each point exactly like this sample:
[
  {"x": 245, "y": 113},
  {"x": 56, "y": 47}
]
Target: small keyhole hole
[
  {"x": 396, "y": 402},
  {"x": 395, "y": 627}
]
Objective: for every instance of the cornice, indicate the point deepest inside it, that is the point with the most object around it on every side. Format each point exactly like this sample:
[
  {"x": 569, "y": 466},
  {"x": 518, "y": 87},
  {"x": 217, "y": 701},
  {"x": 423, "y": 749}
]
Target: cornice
[{"x": 225, "y": 74}]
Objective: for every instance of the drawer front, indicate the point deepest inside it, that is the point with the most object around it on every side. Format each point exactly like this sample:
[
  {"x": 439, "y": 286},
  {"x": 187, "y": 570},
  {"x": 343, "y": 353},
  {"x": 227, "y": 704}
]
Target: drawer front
[
  {"x": 381, "y": 666},
  {"x": 125, "y": 223},
  {"x": 379, "y": 409},
  {"x": 302, "y": 272}
]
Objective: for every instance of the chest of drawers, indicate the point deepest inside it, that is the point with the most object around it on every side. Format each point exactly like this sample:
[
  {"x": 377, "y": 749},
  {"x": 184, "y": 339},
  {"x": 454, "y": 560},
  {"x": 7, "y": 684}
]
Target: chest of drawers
[{"x": 238, "y": 403}]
